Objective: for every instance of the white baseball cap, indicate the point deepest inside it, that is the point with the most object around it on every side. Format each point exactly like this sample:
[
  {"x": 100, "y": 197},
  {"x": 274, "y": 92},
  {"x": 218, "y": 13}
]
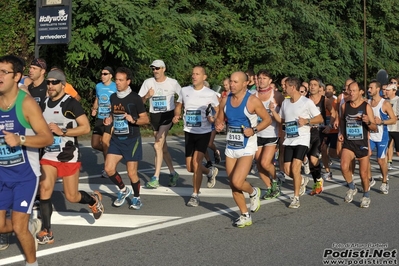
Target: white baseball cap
[{"x": 157, "y": 63}]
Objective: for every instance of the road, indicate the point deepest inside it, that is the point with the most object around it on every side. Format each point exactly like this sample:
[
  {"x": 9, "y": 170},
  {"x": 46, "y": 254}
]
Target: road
[{"x": 166, "y": 232}]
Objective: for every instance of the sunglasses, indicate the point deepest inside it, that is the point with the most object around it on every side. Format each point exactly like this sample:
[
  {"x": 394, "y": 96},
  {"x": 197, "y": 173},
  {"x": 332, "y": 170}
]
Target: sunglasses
[
  {"x": 105, "y": 74},
  {"x": 155, "y": 68},
  {"x": 53, "y": 82}
]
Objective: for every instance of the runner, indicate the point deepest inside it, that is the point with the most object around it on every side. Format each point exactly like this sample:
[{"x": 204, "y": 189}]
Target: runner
[
  {"x": 160, "y": 90},
  {"x": 127, "y": 114},
  {"x": 67, "y": 120},
  {"x": 23, "y": 131},
  {"x": 242, "y": 110},
  {"x": 197, "y": 129},
  {"x": 298, "y": 113},
  {"x": 356, "y": 120}
]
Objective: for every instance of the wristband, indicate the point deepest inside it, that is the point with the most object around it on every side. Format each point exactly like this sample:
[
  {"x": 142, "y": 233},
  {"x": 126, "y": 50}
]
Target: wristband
[{"x": 22, "y": 139}]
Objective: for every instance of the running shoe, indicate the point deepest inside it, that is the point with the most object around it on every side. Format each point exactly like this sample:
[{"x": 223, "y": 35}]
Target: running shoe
[
  {"x": 136, "y": 203},
  {"x": 327, "y": 176},
  {"x": 217, "y": 156},
  {"x": 306, "y": 168},
  {"x": 384, "y": 189},
  {"x": 268, "y": 193},
  {"x": 365, "y": 203},
  {"x": 104, "y": 174},
  {"x": 243, "y": 221},
  {"x": 122, "y": 197},
  {"x": 173, "y": 179},
  {"x": 372, "y": 181},
  {"x": 390, "y": 166},
  {"x": 45, "y": 237},
  {"x": 34, "y": 228},
  {"x": 255, "y": 200},
  {"x": 193, "y": 202},
  {"x": 98, "y": 207},
  {"x": 5, "y": 241},
  {"x": 153, "y": 183},
  {"x": 295, "y": 204},
  {"x": 317, "y": 187},
  {"x": 212, "y": 179},
  {"x": 302, "y": 189},
  {"x": 349, "y": 195},
  {"x": 272, "y": 192}
]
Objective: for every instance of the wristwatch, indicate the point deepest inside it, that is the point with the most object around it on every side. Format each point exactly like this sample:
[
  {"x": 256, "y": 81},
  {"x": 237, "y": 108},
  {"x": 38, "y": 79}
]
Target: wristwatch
[
  {"x": 134, "y": 120},
  {"x": 255, "y": 130},
  {"x": 22, "y": 139},
  {"x": 64, "y": 131}
]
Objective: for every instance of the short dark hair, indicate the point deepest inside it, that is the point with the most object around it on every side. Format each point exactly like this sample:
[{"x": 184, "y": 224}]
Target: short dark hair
[
  {"x": 318, "y": 81},
  {"x": 293, "y": 81},
  {"x": 250, "y": 72},
  {"x": 16, "y": 62},
  {"x": 329, "y": 84},
  {"x": 125, "y": 70},
  {"x": 264, "y": 72},
  {"x": 377, "y": 84},
  {"x": 203, "y": 68}
]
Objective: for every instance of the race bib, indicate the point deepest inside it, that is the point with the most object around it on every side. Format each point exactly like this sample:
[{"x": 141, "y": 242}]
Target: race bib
[
  {"x": 10, "y": 156},
  {"x": 104, "y": 110},
  {"x": 291, "y": 129},
  {"x": 121, "y": 126},
  {"x": 56, "y": 146},
  {"x": 235, "y": 137},
  {"x": 193, "y": 118},
  {"x": 159, "y": 103},
  {"x": 354, "y": 130}
]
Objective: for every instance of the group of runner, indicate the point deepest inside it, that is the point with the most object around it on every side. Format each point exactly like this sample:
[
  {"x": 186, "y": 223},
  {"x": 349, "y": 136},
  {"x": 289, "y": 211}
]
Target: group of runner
[{"x": 300, "y": 123}]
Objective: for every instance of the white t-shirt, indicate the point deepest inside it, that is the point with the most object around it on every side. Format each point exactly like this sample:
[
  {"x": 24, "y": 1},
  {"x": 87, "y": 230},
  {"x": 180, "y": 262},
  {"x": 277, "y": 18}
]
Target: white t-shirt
[
  {"x": 195, "y": 103},
  {"x": 290, "y": 112},
  {"x": 163, "y": 99},
  {"x": 395, "y": 106}
]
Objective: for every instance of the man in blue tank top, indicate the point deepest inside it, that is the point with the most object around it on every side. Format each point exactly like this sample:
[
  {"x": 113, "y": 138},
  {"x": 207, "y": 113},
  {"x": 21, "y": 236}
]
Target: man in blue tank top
[
  {"x": 23, "y": 131},
  {"x": 242, "y": 109},
  {"x": 383, "y": 115}
]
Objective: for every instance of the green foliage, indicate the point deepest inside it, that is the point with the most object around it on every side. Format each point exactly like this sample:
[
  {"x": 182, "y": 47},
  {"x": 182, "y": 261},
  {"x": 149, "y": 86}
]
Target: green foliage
[{"x": 304, "y": 38}]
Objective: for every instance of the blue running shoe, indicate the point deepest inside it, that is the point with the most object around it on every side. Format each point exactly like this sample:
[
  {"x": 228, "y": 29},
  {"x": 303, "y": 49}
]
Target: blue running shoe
[
  {"x": 136, "y": 203},
  {"x": 122, "y": 197}
]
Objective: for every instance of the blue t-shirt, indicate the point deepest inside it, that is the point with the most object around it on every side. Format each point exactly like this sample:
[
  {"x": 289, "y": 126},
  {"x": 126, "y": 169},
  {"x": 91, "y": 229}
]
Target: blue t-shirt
[{"x": 103, "y": 94}]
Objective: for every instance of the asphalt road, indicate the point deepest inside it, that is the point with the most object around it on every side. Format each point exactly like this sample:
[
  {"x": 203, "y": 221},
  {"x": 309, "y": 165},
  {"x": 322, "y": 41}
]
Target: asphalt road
[{"x": 166, "y": 232}]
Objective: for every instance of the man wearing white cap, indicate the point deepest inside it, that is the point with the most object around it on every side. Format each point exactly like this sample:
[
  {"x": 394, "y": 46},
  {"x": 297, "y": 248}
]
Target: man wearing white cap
[
  {"x": 160, "y": 90},
  {"x": 393, "y": 130}
]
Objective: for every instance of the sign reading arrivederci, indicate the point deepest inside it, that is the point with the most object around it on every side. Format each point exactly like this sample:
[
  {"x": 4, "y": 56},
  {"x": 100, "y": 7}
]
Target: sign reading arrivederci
[{"x": 53, "y": 25}]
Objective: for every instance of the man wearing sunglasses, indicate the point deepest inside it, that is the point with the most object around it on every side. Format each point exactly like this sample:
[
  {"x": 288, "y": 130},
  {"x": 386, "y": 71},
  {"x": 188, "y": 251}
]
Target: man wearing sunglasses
[
  {"x": 160, "y": 91},
  {"x": 67, "y": 120},
  {"x": 101, "y": 109},
  {"x": 38, "y": 87}
]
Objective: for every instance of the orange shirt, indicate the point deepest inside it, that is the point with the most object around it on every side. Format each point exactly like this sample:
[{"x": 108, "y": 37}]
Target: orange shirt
[{"x": 70, "y": 90}]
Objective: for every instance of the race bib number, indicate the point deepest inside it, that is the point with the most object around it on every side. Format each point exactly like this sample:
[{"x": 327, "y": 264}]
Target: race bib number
[
  {"x": 121, "y": 126},
  {"x": 10, "y": 156},
  {"x": 104, "y": 110},
  {"x": 159, "y": 103},
  {"x": 56, "y": 146},
  {"x": 235, "y": 137},
  {"x": 291, "y": 129},
  {"x": 354, "y": 130},
  {"x": 193, "y": 118}
]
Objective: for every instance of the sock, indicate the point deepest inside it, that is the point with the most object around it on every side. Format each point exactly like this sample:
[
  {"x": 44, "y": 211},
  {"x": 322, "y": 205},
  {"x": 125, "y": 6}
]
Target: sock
[
  {"x": 31, "y": 264},
  {"x": 136, "y": 189},
  {"x": 315, "y": 172},
  {"x": 366, "y": 194},
  {"x": 86, "y": 198},
  {"x": 390, "y": 161},
  {"x": 117, "y": 180},
  {"x": 351, "y": 185},
  {"x": 194, "y": 195},
  {"x": 254, "y": 192},
  {"x": 46, "y": 210}
]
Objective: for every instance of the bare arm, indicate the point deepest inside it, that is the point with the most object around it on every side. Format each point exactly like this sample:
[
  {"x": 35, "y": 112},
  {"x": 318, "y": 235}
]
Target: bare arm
[
  {"x": 33, "y": 115},
  {"x": 221, "y": 116},
  {"x": 177, "y": 116}
]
